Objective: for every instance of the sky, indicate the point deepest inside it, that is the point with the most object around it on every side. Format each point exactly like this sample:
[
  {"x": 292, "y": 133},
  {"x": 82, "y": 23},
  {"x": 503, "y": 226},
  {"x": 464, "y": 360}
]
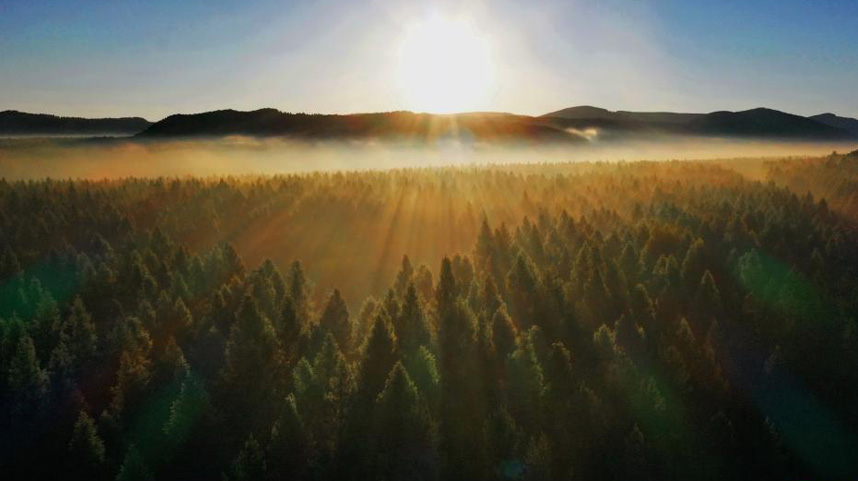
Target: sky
[{"x": 153, "y": 58}]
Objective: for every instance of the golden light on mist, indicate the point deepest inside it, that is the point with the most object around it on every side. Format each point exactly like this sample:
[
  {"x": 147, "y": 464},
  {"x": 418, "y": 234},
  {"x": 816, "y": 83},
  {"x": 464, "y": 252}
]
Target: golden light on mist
[{"x": 444, "y": 66}]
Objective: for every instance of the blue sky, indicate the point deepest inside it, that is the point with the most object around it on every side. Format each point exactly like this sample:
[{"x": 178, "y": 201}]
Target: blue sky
[{"x": 153, "y": 58}]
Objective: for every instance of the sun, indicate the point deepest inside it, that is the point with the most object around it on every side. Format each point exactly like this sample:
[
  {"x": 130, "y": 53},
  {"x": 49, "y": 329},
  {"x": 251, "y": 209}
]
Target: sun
[{"x": 444, "y": 66}]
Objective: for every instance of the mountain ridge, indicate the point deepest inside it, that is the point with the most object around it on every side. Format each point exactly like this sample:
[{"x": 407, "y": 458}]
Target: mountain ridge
[
  {"x": 760, "y": 122},
  {"x": 14, "y": 122},
  {"x": 398, "y": 125},
  {"x": 573, "y": 124}
]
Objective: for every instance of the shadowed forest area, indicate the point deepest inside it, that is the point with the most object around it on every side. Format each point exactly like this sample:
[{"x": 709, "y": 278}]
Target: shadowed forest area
[{"x": 611, "y": 321}]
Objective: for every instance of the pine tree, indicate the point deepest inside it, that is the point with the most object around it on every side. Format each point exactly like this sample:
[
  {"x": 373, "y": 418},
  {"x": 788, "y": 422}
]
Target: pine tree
[
  {"x": 186, "y": 410},
  {"x": 629, "y": 263},
  {"x": 405, "y": 441},
  {"x": 634, "y": 460},
  {"x": 134, "y": 467},
  {"x": 403, "y": 277},
  {"x": 46, "y": 321},
  {"x": 707, "y": 300},
  {"x": 559, "y": 376},
  {"x": 231, "y": 263},
  {"x": 503, "y": 438},
  {"x": 288, "y": 326},
  {"x": 79, "y": 333},
  {"x": 447, "y": 290},
  {"x": 526, "y": 386},
  {"x": 393, "y": 309},
  {"x": 85, "y": 450},
  {"x": 26, "y": 381},
  {"x": 379, "y": 355},
  {"x": 490, "y": 297},
  {"x": 335, "y": 319},
  {"x": 627, "y": 335},
  {"x": 524, "y": 286},
  {"x": 693, "y": 265},
  {"x": 484, "y": 249},
  {"x": 415, "y": 330},
  {"x": 424, "y": 372},
  {"x": 335, "y": 379},
  {"x": 250, "y": 464},
  {"x": 288, "y": 450},
  {"x": 309, "y": 393},
  {"x": 561, "y": 426},
  {"x": 263, "y": 291},
  {"x": 538, "y": 459},
  {"x": 298, "y": 289},
  {"x": 504, "y": 334},
  {"x": 462, "y": 406},
  {"x": 252, "y": 370},
  {"x": 170, "y": 367}
]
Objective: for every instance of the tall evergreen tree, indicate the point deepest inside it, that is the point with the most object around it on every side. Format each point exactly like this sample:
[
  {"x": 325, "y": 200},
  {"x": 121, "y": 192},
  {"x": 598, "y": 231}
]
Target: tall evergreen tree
[
  {"x": 462, "y": 408},
  {"x": 26, "y": 380},
  {"x": 79, "y": 333},
  {"x": 252, "y": 370},
  {"x": 403, "y": 432},
  {"x": 335, "y": 319},
  {"x": 404, "y": 277},
  {"x": 298, "y": 289},
  {"x": 288, "y": 451},
  {"x": 414, "y": 328},
  {"x": 86, "y": 450}
]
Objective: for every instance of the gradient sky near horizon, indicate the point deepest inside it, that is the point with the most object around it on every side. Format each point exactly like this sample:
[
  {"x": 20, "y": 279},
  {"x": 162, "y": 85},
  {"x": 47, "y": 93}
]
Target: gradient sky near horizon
[{"x": 153, "y": 58}]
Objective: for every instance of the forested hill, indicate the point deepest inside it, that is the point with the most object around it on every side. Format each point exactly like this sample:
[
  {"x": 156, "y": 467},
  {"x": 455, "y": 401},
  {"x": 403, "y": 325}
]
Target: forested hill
[
  {"x": 651, "y": 321},
  {"x": 754, "y": 123},
  {"x": 21, "y": 123},
  {"x": 402, "y": 126}
]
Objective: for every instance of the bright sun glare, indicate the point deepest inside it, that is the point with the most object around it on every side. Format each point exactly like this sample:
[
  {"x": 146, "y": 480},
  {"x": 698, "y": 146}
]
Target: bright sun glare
[{"x": 444, "y": 66}]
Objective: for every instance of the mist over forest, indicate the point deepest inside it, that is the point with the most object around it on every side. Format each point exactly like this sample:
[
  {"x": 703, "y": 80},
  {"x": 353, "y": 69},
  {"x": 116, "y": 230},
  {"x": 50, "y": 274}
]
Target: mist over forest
[{"x": 99, "y": 158}]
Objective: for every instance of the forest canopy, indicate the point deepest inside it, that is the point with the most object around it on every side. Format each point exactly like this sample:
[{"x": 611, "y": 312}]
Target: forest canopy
[{"x": 646, "y": 320}]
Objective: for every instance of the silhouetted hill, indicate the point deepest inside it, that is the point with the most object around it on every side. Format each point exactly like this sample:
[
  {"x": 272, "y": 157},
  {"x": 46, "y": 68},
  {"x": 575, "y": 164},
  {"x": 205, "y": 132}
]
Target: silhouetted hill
[
  {"x": 13, "y": 122},
  {"x": 762, "y": 122},
  {"x": 846, "y": 123},
  {"x": 621, "y": 116},
  {"x": 404, "y": 126},
  {"x": 755, "y": 123}
]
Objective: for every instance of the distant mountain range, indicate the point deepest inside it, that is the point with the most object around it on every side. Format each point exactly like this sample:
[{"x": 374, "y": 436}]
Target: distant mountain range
[
  {"x": 754, "y": 123},
  {"x": 574, "y": 124},
  {"x": 13, "y": 122},
  {"x": 406, "y": 126}
]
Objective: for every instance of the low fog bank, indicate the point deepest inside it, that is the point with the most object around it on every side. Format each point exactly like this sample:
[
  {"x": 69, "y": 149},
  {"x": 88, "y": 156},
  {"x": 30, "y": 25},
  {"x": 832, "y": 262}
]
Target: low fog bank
[{"x": 118, "y": 158}]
